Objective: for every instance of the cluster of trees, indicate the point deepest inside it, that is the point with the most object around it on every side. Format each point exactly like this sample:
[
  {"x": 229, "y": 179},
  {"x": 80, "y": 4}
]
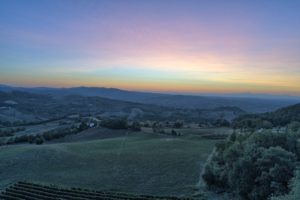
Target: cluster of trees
[
  {"x": 178, "y": 124},
  {"x": 60, "y": 133},
  {"x": 37, "y": 139},
  {"x": 158, "y": 127},
  {"x": 168, "y": 124},
  {"x": 13, "y": 123},
  {"x": 176, "y": 133},
  {"x": 6, "y": 132},
  {"x": 294, "y": 126},
  {"x": 114, "y": 123},
  {"x": 294, "y": 193},
  {"x": 251, "y": 123},
  {"x": 279, "y": 118},
  {"x": 48, "y": 135},
  {"x": 221, "y": 123},
  {"x": 135, "y": 126},
  {"x": 120, "y": 123},
  {"x": 27, "y": 123},
  {"x": 255, "y": 165}
]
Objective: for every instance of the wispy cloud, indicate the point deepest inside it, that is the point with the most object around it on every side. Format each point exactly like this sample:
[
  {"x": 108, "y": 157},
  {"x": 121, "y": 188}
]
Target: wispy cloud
[{"x": 201, "y": 46}]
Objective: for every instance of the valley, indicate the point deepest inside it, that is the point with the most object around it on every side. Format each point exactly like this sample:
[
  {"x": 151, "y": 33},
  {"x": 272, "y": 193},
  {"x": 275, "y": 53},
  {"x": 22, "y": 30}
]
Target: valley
[
  {"x": 124, "y": 147},
  {"x": 149, "y": 100},
  {"x": 139, "y": 162}
]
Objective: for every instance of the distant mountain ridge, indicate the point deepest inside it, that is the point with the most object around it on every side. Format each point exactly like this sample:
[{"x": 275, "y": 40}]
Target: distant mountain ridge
[
  {"x": 251, "y": 105},
  {"x": 20, "y": 106},
  {"x": 280, "y": 117}
]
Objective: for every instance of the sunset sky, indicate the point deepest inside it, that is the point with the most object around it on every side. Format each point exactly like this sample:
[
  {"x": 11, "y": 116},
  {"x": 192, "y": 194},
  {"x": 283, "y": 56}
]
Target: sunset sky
[{"x": 189, "y": 46}]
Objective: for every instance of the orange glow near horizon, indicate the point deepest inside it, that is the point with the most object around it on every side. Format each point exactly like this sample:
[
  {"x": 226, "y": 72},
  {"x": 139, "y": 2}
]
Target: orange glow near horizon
[{"x": 185, "y": 46}]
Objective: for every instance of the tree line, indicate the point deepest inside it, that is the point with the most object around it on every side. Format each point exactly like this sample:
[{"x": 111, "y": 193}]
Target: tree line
[{"x": 254, "y": 165}]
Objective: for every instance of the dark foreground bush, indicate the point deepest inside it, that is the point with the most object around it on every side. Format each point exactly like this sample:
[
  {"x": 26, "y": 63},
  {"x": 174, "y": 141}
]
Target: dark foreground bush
[
  {"x": 294, "y": 194},
  {"x": 253, "y": 166}
]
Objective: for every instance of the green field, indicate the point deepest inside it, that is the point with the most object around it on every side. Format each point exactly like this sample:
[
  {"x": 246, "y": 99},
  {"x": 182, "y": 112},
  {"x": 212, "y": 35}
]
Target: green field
[
  {"x": 195, "y": 131},
  {"x": 138, "y": 163}
]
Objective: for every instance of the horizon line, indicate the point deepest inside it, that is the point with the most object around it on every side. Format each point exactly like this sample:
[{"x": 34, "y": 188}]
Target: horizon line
[{"x": 214, "y": 94}]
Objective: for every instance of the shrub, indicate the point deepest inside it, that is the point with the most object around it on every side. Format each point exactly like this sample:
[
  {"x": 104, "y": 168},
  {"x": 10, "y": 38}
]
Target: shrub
[
  {"x": 39, "y": 140},
  {"x": 135, "y": 126},
  {"x": 21, "y": 139},
  {"x": 295, "y": 190},
  {"x": 83, "y": 126},
  {"x": 252, "y": 166},
  {"x": 157, "y": 128},
  {"x": 7, "y": 132},
  {"x": 114, "y": 123},
  {"x": 294, "y": 126},
  {"x": 178, "y": 124},
  {"x": 175, "y": 133}
]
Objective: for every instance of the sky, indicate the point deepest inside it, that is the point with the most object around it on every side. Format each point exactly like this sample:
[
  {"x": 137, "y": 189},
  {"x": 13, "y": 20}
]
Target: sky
[{"x": 183, "y": 46}]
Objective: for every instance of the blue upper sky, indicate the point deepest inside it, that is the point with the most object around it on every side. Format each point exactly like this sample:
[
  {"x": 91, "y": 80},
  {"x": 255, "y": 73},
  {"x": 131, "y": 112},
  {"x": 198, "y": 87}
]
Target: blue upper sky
[{"x": 197, "y": 46}]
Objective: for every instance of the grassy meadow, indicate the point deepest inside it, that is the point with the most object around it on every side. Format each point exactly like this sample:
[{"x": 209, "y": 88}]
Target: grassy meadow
[{"x": 136, "y": 163}]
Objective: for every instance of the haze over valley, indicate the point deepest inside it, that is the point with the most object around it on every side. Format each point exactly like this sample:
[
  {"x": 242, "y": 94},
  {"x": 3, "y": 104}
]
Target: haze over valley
[{"x": 149, "y": 100}]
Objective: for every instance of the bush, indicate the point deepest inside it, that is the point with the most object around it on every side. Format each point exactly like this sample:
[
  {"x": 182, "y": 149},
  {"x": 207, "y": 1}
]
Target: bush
[
  {"x": 252, "y": 166},
  {"x": 294, "y": 126},
  {"x": 83, "y": 126},
  {"x": 178, "y": 124},
  {"x": 114, "y": 123},
  {"x": 31, "y": 139},
  {"x": 175, "y": 133},
  {"x": 295, "y": 190},
  {"x": 48, "y": 135},
  {"x": 157, "y": 128},
  {"x": 7, "y": 132},
  {"x": 21, "y": 139},
  {"x": 146, "y": 124},
  {"x": 39, "y": 140},
  {"x": 135, "y": 126}
]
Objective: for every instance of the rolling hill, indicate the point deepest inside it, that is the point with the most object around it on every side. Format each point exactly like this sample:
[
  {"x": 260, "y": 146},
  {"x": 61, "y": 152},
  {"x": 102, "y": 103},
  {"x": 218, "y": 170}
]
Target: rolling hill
[
  {"x": 138, "y": 163},
  {"x": 280, "y": 117},
  {"x": 249, "y": 104},
  {"x": 25, "y": 106}
]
